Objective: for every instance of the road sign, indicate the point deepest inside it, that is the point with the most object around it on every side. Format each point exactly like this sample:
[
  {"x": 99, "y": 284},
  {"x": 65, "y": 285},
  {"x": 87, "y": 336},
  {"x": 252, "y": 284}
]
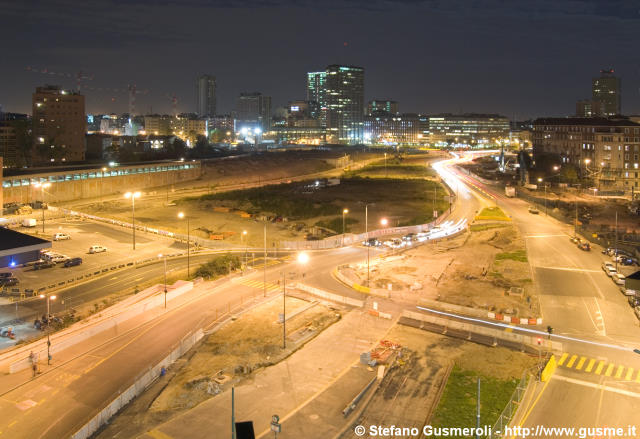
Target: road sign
[{"x": 276, "y": 427}]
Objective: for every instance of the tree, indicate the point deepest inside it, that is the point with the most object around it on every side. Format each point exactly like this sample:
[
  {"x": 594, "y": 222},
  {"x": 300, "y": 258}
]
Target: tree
[{"x": 569, "y": 174}]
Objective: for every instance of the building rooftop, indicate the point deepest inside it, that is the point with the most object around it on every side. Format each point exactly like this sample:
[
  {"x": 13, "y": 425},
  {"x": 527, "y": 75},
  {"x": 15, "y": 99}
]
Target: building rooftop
[
  {"x": 587, "y": 121},
  {"x": 10, "y": 239}
]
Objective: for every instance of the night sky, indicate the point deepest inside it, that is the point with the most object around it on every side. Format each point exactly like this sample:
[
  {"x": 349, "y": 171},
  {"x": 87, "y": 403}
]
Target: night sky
[{"x": 515, "y": 57}]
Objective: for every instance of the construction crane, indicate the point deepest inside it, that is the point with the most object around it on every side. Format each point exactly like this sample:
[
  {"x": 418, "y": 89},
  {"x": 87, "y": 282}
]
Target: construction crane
[
  {"x": 79, "y": 76},
  {"x": 174, "y": 103}
]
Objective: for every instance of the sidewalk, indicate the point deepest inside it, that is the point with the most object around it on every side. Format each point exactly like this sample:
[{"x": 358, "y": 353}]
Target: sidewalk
[{"x": 287, "y": 387}]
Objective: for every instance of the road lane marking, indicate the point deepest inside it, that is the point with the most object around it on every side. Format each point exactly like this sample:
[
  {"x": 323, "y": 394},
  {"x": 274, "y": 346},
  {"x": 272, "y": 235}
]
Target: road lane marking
[
  {"x": 599, "y": 368},
  {"x": 590, "y": 365},
  {"x": 542, "y": 236},
  {"x": 595, "y": 386},
  {"x": 619, "y": 372},
  {"x": 563, "y": 358},
  {"x": 638, "y": 377},
  {"x": 157, "y": 434},
  {"x": 581, "y": 363},
  {"x": 571, "y": 361},
  {"x": 607, "y": 373},
  {"x": 629, "y": 374},
  {"x": 582, "y": 270}
]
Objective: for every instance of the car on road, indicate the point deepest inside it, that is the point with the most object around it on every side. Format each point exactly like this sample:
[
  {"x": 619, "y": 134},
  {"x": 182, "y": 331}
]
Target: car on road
[
  {"x": 371, "y": 242},
  {"x": 628, "y": 292},
  {"x": 8, "y": 281},
  {"x": 636, "y": 310},
  {"x": 100, "y": 249},
  {"x": 533, "y": 210},
  {"x": 634, "y": 301},
  {"x": 618, "y": 278},
  {"x": 73, "y": 262},
  {"x": 61, "y": 237},
  {"x": 609, "y": 268},
  {"x": 42, "y": 264},
  {"x": 584, "y": 246},
  {"x": 627, "y": 261},
  {"x": 410, "y": 237},
  {"x": 6, "y": 275}
]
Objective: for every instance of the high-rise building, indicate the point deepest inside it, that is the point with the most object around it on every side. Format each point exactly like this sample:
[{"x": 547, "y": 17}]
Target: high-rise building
[
  {"x": 59, "y": 125},
  {"x": 606, "y": 89},
  {"x": 382, "y": 106},
  {"x": 253, "y": 110},
  {"x": 344, "y": 94},
  {"x": 15, "y": 130},
  {"x": 316, "y": 88},
  {"x": 206, "y": 95}
]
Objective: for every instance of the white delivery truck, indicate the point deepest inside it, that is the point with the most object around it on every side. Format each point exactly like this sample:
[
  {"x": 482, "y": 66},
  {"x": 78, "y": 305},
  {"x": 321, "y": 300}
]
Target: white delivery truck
[{"x": 29, "y": 222}]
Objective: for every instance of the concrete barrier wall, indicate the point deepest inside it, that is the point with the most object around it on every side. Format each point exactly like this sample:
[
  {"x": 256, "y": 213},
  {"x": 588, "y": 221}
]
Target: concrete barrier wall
[
  {"x": 483, "y": 330},
  {"x": 140, "y": 384},
  {"x": 449, "y": 307},
  {"x": 73, "y": 189},
  {"x": 18, "y": 359},
  {"x": 329, "y": 296}
]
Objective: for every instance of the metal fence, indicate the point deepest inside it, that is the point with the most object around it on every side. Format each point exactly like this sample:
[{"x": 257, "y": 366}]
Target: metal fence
[{"x": 512, "y": 406}]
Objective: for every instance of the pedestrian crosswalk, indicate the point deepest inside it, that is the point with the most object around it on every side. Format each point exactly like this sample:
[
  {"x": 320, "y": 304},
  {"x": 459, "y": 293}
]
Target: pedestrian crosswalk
[
  {"x": 599, "y": 367},
  {"x": 258, "y": 284},
  {"x": 269, "y": 263}
]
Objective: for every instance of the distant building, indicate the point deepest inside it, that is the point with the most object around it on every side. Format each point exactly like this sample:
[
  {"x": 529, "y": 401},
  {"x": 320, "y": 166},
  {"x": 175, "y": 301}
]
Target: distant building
[
  {"x": 392, "y": 129},
  {"x": 15, "y": 132},
  {"x": 589, "y": 108},
  {"x": 253, "y": 110},
  {"x": 186, "y": 126},
  {"x": 382, "y": 106},
  {"x": 344, "y": 94},
  {"x": 157, "y": 124},
  {"x": 59, "y": 125},
  {"x": 316, "y": 92},
  {"x": 605, "y": 149},
  {"x": 206, "y": 96},
  {"x": 606, "y": 89},
  {"x": 470, "y": 129}
]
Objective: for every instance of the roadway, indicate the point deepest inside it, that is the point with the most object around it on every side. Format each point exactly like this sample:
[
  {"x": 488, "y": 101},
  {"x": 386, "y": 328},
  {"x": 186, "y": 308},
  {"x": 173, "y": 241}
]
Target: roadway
[{"x": 598, "y": 380}]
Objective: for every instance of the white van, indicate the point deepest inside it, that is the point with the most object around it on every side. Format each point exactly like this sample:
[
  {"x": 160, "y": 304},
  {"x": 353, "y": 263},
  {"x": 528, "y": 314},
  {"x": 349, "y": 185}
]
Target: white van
[
  {"x": 97, "y": 249},
  {"x": 29, "y": 222},
  {"x": 61, "y": 236}
]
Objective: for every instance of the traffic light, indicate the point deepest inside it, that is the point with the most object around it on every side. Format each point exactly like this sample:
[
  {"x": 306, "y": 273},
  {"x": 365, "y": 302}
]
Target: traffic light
[{"x": 550, "y": 331}]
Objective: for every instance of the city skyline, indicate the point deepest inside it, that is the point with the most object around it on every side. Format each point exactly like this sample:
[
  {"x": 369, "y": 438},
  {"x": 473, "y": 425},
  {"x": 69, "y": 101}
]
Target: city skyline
[{"x": 522, "y": 61}]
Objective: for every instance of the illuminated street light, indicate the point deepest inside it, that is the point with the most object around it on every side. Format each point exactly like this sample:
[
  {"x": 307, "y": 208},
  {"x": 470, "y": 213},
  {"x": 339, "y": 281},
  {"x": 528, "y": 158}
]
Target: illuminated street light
[
  {"x": 181, "y": 215},
  {"x": 49, "y": 299},
  {"x": 133, "y": 196},
  {"x": 384, "y": 222},
  {"x": 43, "y": 186},
  {"x": 303, "y": 258}
]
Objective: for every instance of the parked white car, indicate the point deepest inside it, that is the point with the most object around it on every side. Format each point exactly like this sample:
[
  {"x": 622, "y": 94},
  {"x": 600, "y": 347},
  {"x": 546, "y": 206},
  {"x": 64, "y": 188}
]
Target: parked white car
[{"x": 618, "y": 278}]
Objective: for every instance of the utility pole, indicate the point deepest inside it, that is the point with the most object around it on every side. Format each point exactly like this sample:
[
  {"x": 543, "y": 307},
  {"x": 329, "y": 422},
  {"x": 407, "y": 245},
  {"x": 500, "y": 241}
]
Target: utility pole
[
  {"x": 478, "y": 412},
  {"x": 233, "y": 413},
  {"x": 264, "y": 265},
  {"x": 366, "y": 231},
  {"x": 616, "y": 242},
  {"x": 284, "y": 310},
  {"x": 575, "y": 227}
]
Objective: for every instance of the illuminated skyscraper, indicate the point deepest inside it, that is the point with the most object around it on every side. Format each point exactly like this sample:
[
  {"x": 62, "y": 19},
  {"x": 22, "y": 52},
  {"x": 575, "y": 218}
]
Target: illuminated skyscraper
[
  {"x": 606, "y": 90},
  {"x": 316, "y": 93},
  {"x": 344, "y": 94},
  {"x": 206, "y": 95}
]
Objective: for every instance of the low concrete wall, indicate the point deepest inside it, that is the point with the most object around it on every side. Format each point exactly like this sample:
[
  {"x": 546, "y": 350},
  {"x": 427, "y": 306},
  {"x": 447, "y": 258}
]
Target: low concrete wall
[
  {"x": 18, "y": 359},
  {"x": 137, "y": 387},
  {"x": 329, "y": 296},
  {"x": 554, "y": 346}
]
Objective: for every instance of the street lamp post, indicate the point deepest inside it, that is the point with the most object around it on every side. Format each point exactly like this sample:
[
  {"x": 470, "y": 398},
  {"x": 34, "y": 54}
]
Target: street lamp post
[
  {"x": 101, "y": 183},
  {"x": 43, "y": 186},
  {"x": 344, "y": 212},
  {"x": 165, "y": 279},
  {"x": 133, "y": 196},
  {"x": 302, "y": 259},
  {"x": 545, "y": 196},
  {"x": 244, "y": 233},
  {"x": 366, "y": 231},
  {"x": 49, "y": 298},
  {"x": 182, "y": 215}
]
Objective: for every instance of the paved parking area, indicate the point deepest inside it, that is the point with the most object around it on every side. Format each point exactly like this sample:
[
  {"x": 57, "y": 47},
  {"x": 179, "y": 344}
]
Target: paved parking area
[{"x": 85, "y": 233}]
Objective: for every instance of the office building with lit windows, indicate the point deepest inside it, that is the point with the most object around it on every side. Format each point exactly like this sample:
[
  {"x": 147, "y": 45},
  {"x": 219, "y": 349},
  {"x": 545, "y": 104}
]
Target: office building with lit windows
[
  {"x": 344, "y": 94},
  {"x": 468, "y": 129},
  {"x": 604, "y": 149},
  {"x": 316, "y": 94},
  {"x": 606, "y": 90},
  {"x": 382, "y": 106},
  {"x": 59, "y": 125},
  {"x": 392, "y": 129}
]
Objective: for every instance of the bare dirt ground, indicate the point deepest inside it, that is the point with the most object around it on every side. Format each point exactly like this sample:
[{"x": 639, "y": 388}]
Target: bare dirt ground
[
  {"x": 409, "y": 391},
  {"x": 476, "y": 269},
  {"x": 227, "y": 357}
]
